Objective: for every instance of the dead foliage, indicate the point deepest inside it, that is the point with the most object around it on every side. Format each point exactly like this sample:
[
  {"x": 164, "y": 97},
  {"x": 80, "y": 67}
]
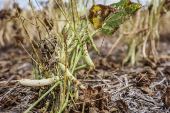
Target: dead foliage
[
  {"x": 18, "y": 98},
  {"x": 95, "y": 100},
  {"x": 166, "y": 97},
  {"x": 146, "y": 77},
  {"x": 122, "y": 106}
]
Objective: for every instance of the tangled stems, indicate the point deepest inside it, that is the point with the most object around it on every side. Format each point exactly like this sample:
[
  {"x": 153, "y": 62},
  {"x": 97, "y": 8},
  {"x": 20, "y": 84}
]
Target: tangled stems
[{"x": 35, "y": 103}]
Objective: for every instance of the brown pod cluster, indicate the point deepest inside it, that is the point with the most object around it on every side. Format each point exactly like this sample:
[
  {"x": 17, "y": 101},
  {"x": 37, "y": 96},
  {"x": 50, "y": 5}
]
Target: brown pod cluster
[{"x": 47, "y": 46}]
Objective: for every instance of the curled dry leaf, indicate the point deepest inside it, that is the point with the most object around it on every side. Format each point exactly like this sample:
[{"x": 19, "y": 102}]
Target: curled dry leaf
[
  {"x": 113, "y": 109},
  {"x": 150, "y": 73},
  {"x": 98, "y": 13},
  {"x": 95, "y": 100},
  {"x": 143, "y": 80},
  {"x": 122, "y": 106},
  {"x": 146, "y": 90},
  {"x": 166, "y": 97},
  {"x": 147, "y": 76}
]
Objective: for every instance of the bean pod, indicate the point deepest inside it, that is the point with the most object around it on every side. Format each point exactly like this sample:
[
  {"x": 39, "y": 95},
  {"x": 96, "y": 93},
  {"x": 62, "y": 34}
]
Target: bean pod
[
  {"x": 87, "y": 56},
  {"x": 72, "y": 78},
  {"x": 42, "y": 82}
]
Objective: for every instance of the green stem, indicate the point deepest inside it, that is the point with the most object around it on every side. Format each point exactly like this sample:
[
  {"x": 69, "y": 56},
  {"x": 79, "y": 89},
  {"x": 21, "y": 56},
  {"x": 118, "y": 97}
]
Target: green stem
[
  {"x": 35, "y": 103},
  {"x": 81, "y": 67},
  {"x": 77, "y": 57},
  {"x": 96, "y": 31},
  {"x": 72, "y": 59},
  {"x": 92, "y": 42},
  {"x": 66, "y": 100}
]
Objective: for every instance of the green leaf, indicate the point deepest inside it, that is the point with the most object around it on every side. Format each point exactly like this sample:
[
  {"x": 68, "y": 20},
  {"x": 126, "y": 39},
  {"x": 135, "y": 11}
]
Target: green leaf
[{"x": 124, "y": 10}]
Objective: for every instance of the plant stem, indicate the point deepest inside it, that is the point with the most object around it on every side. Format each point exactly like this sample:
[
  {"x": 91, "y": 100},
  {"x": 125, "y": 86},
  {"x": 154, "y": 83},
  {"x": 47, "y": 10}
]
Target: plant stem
[
  {"x": 35, "y": 103},
  {"x": 66, "y": 100},
  {"x": 72, "y": 6},
  {"x": 66, "y": 60},
  {"x": 46, "y": 105},
  {"x": 68, "y": 21},
  {"x": 28, "y": 36},
  {"x": 48, "y": 21},
  {"x": 81, "y": 67},
  {"x": 35, "y": 19},
  {"x": 77, "y": 57}
]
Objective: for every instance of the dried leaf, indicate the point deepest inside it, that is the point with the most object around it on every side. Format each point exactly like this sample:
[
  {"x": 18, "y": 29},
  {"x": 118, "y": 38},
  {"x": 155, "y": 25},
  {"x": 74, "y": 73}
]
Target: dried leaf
[
  {"x": 166, "y": 97},
  {"x": 122, "y": 106},
  {"x": 143, "y": 80},
  {"x": 150, "y": 73},
  {"x": 113, "y": 109},
  {"x": 146, "y": 90},
  {"x": 98, "y": 13}
]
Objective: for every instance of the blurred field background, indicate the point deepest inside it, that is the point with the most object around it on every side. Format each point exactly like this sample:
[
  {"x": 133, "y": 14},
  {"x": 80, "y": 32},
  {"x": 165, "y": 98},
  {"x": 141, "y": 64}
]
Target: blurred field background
[
  {"x": 11, "y": 27},
  {"x": 8, "y": 28}
]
